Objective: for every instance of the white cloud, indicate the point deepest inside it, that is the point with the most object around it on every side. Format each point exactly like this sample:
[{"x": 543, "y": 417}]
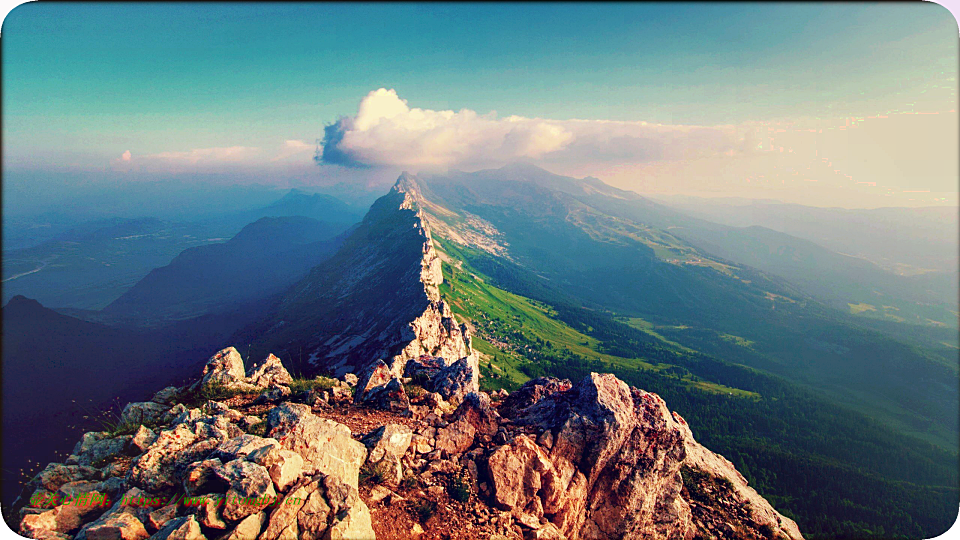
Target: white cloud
[
  {"x": 386, "y": 131},
  {"x": 230, "y": 154},
  {"x": 293, "y": 148}
]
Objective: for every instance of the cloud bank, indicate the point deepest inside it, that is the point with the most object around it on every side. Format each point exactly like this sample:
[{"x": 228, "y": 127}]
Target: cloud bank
[{"x": 386, "y": 131}]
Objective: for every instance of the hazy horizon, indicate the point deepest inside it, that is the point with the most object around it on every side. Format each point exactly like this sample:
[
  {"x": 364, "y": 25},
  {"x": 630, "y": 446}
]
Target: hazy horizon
[{"x": 757, "y": 101}]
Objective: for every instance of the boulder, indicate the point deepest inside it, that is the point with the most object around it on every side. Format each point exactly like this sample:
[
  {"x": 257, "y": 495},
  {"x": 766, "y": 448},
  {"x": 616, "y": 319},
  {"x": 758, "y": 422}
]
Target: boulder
[
  {"x": 167, "y": 396},
  {"x": 423, "y": 368},
  {"x": 55, "y": 475},
  {"x": 284, "y": 466},
  {"x": 457, "y": 380},
  {"x": 64, "y": 519},
  {"x": 145, "y": 412},
  {"x": 200, "y": 476},
  {"x": 351, "y": 517},
  {"x": 159, "y": 517},
  {"x": 141, "y": 440},
  {"x": 531, "y": 392},
  {"x": 250, "y": 488},
  {"x": 241, "y": 446},
  {"x": 351, "y": 380},
  {"x": 325, "y": 446},
  {"x": 376, "y": 375},
  {"x": 185, "y": 528},
  {"x": 456, "y": 437},
  {"x": 224, "y": 368},
  {"x": 248, "y": 528},
  {"x": 387, "y": 446},
  {"x": 611, "y": 463},
  {"x": 270, "y": 372},
  {"x": 477, "y": 410},
  {"x": 161, "y": 467},
  {"x": 119, "y": 526}
]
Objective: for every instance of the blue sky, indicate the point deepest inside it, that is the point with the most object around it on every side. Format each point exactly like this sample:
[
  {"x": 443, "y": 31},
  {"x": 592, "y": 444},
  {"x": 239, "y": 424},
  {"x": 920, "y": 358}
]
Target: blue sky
[{"x": 84, "y": 83}]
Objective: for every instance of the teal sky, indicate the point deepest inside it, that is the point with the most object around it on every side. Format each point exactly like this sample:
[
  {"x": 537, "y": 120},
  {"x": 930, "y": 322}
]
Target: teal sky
[{"x": 82, "y": 83}]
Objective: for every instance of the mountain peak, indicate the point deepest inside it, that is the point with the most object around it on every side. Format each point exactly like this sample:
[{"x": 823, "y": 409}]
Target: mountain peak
[
  {"x": 20, "y": 302},
  {"x": 523, "y": 167}
]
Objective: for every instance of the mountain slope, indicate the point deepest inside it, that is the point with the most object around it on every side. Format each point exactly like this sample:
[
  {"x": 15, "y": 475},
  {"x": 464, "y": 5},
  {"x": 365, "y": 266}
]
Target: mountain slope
[
  {"x": 93, "y": 264},
  {"x": 264, "y": 258},
  {"x": 605, "y": 248},
  {"x": 376, "y": 298}
]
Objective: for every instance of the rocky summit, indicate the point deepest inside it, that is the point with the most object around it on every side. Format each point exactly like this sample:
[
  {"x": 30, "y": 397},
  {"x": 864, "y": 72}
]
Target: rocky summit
[{"x": 258, "y": 454}]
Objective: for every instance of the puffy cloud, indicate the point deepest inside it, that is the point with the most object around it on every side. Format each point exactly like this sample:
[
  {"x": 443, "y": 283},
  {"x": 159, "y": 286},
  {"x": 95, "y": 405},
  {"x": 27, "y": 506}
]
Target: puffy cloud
[
  {"x": 387, "y": 131},
  {"x": 125, "y": 156}
]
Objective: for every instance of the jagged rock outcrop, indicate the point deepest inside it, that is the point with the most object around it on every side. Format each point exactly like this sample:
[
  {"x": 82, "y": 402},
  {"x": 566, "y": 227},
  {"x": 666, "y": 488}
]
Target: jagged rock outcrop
[
  {"x": 386, "y": 307},
  {"x": 195, "y": 473},
  {"x": 597, "y": 460},
  {"x": 609, "y": 463}
]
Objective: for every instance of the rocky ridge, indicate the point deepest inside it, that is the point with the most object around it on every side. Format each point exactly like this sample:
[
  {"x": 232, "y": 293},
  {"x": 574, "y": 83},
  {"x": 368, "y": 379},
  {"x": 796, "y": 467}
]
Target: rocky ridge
[
  {"x": 257, "y": 454},
  {"x": 387, "y": 310}
]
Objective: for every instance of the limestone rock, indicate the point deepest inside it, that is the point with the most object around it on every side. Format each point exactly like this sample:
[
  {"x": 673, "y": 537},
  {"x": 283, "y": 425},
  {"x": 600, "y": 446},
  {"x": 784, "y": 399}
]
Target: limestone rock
[
  {"x": 142, "y": 439},
  {"x": 613, "y": 466},
  {"x": 185, "y": 528},
  {"x": 389, "y": 397},
  {"x": 167, "y": 396},
  {"x": 457, "y": 380},
  {"x": 239, "y": 447},
  {"x": 162, "y": 465},
  {"x": 283, "y": 465},
  {"x": 270, "y": 372},
  {"x": 119, "y": 526},
  {"x": 387, "y": 446},
  {"x": 159, "y": 517},
  {"x": 375, "y": 376},
  {"x": 456, "y": 438},
  {"x": 248, "y": 528},
  {"x": 224, "y": 368},
  {"x": 250, "y": 488},
  {"x": 146, "y": 412},
  {"x": 325, "y": 446},
  {"x": 423, "y": 368}
]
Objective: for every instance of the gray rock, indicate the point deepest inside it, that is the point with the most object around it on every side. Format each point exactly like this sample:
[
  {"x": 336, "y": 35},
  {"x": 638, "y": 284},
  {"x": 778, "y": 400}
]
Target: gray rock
[
  {"x": 387, "y": 446},
  {"x": 142, "y": 440},
  {"x": 167, "y": 396},
  {"x": 325, "y": 446},
  {"x": 251, "y": 488},
  {"x": 144, "y": 412},
  {"x": 241, "y": 446},
  {"x": 284, "y": 466},
  {"x": 457, "y": 380},
  {"x": 270, "y": 372},
  {"x": 248, "y": 528},
  {"x": 185, "y": 528},
  {"x": 224, "y": 368}
]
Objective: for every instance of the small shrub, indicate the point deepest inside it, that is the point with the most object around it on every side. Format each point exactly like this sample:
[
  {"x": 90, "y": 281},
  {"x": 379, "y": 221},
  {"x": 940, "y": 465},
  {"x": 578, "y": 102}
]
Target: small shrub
[
  {"x": 424, "y": 509},
  {"x": 320, "y": 383},
  {"x": 414, "y": 391},
  {"x": 259, "y": 429},
  {"x": 409, "y": 482},
  {"x": 459, "y": 489},
  {"x": 372, "y": 475}
]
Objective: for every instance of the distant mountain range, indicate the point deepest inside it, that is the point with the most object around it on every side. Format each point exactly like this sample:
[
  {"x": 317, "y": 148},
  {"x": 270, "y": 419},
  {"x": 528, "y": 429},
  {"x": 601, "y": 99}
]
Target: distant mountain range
[
  {"x": 95, "y": 262},
  {"x": 264, "y": 258}
]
